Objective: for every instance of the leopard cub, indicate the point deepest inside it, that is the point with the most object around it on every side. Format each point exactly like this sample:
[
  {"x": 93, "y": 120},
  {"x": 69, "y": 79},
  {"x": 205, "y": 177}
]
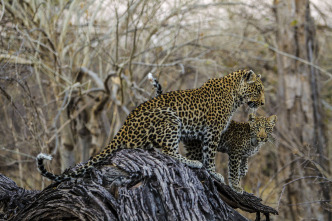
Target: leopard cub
[
  {"x": 240, "y": 141},
  {"x": 243, "y": 140}
]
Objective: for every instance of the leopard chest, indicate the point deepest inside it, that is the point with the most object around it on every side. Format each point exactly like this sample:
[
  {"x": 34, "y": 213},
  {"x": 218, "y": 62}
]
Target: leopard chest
[
  {"x": 238, "y": 143},
  {"x": 249, "y": 149}
]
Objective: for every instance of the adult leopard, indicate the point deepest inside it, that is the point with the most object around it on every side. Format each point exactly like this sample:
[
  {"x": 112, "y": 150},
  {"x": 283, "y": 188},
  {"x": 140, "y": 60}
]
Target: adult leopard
[{"x": 185, "y": 114}]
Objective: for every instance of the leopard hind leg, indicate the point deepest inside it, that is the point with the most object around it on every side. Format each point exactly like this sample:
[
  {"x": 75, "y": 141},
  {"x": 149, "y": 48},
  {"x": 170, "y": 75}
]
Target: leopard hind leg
[{"x": 167, "y": 133}]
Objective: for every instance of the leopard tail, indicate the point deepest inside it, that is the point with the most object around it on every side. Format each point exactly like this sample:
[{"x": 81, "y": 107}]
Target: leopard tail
[
  {"x": 155, "y": 84},
  {"x": 43, "y": 171}
]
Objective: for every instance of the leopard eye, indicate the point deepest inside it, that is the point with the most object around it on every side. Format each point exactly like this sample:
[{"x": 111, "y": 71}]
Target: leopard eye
[{"x": 268, "y": 128}]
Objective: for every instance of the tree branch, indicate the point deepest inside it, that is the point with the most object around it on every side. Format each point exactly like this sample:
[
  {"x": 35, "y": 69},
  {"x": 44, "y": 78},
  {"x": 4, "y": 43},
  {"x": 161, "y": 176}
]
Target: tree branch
[{"x": 145, "y": 185}]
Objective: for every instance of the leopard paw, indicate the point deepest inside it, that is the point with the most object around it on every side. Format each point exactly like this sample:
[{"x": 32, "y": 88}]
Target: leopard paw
[
  {"x": 218, "y": 176},
  {"x": 237, "y": 189},
  {"x": 194, "y": 163}
]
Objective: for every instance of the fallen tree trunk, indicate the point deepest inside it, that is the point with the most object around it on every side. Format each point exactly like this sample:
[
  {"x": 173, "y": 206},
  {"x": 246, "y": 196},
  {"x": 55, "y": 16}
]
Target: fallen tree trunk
[{"x": 144, "y": 185}]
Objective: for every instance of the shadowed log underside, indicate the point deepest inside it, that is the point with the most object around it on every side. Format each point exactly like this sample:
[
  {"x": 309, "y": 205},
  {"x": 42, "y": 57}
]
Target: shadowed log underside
[{"x": 145, "y": 185}]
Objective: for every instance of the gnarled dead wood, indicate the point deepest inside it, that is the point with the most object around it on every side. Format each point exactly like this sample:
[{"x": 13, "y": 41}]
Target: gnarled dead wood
[{"x": 144, "y": 185}]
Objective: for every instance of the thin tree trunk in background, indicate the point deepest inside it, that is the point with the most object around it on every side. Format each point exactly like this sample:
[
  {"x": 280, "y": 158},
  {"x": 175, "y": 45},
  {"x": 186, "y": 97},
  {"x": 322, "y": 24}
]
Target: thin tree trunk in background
[{"x": 298, "y": 93}]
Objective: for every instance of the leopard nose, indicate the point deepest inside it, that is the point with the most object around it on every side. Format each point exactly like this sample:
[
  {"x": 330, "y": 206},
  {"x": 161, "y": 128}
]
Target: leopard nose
[
  {"x": 262, "y": 103},
  {"x": 262, "y": 135},
  {"x": 262, "y": 139}
]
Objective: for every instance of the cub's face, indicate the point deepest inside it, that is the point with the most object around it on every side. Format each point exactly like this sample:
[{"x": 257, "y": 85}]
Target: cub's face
[
  {"x": 251, "y": 89},
  {"x": 261, "y": 128}
]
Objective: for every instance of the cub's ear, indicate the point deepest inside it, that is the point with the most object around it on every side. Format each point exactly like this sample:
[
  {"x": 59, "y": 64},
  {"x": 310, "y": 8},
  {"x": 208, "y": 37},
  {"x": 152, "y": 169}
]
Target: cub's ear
[
  {"x": 252, "y": 117},
  {"x": 273, "y": 119},
  {"x": 250, "y": 77}
]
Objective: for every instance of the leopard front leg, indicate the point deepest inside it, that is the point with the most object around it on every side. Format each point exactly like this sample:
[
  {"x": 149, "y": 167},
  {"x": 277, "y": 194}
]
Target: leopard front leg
[
  {"x": 234, "y": 162},
  {"x": 243, "y": 167},
  {"x": 167, "y": 133},
  {"x": 210, "y": 144}
]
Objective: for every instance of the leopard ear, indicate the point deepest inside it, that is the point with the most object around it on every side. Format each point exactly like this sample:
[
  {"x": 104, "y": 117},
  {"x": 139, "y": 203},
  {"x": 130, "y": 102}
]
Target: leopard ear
[
  {"x": 250, "y": 77},
  {"x": 273, "y": 119},
  {"x": 252, "y": 117}
]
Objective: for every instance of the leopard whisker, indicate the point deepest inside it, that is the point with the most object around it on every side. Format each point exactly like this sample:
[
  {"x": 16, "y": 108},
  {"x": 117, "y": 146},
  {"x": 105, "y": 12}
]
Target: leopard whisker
[{"x": 273, "y": 140}]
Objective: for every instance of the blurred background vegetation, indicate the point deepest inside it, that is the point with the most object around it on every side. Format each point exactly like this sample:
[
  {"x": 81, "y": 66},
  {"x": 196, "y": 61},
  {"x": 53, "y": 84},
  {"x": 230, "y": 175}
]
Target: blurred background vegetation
[{"x": 71, "y": 71}]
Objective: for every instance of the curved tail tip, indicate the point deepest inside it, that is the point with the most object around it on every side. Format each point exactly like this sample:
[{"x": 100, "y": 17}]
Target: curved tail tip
[
  {"x": 44, "y": 156},
  {"x": 150, "y": 76}
]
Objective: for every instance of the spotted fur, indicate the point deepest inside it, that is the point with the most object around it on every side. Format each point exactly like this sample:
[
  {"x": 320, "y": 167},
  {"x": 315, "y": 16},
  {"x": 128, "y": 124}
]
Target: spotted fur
[
  {"x": 245, "y": 139},
  {"x": 183, "y": 115},
  {"x": 240, "y": 141}
]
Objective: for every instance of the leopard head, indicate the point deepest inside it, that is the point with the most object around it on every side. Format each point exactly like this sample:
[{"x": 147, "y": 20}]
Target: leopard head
[
  {"x": 251, "y": 89},
  {"x": 261, "y": 128}
]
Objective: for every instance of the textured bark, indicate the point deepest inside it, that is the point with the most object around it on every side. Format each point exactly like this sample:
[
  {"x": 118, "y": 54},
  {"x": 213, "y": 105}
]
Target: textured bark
[
  {"x": 13, "y": 198},
  {"x": 145, "y": 185}
]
